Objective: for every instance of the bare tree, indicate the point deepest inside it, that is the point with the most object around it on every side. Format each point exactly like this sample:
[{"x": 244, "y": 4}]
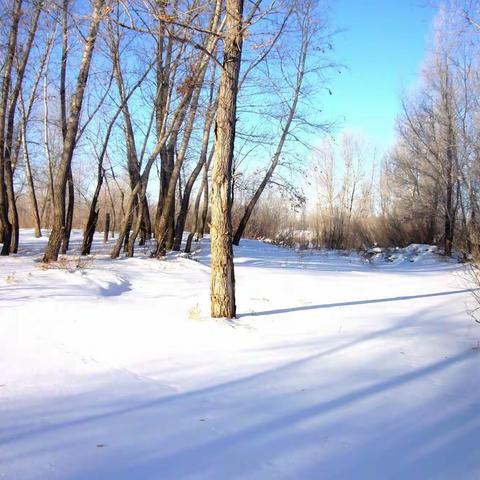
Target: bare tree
[
  {"x": 182, "y": 216},
  {"x": 307, "y": 26},
  {"x": 222, "y": 286},
  {"x": 201, "y": 63},
  {"x": 93, "y": 211},
  {"x": 4, "y": 97},
  {"x": 57, "y": 234}
]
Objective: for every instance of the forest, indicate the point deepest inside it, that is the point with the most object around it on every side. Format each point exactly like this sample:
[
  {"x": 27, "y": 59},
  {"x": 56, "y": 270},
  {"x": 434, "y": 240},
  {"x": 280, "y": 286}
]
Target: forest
[{"x": 121, "y": 117}]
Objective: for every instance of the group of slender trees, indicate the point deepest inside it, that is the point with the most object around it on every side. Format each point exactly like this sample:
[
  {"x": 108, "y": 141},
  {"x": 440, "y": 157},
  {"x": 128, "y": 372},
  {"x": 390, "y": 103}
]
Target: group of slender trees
[
  {"x": 431, "y": 176},
  {"x": 136, "y": 116},
  {"x": 426, "y": 189}
]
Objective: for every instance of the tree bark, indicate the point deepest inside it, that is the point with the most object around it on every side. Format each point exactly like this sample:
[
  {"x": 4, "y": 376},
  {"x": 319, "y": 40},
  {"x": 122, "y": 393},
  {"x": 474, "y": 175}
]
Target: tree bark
[
  {"x": 63, "y": 122},
  {"x": 203, "y": 224},
  {"x": 106, "y": 231},
  {"x": 222, "y": 286},
  {"x": 92, "y": 215},
  {"x": 69, "y": 215},
  {"x": 168, "y": 207},
  {"x": 448, "y": 223}
]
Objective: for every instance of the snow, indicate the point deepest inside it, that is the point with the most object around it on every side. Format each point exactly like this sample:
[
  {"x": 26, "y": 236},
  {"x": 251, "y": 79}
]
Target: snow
[
  {"x": 336, "y": 368},
  {"x": 413, "y": 253}
]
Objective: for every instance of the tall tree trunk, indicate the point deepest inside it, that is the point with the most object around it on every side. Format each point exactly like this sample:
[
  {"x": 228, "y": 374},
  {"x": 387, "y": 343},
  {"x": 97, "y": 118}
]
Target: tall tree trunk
[
  {"x": 182, "y": 215},
  {"x": 11, "y": 152},
  {"x": 203, "y": 223},
  {"x": 196, "y": 210},
  {"x": 69, "y": 215},
  {"x": 63, "y": 122},
  {"x": 4, "y": 93},
  {"x": 54, "y": 242},
  {"x": 124, "y": 233},
  {"x": 432, "y": 221},
  {"x": 89, "y": 231},
  {"x": 132, "y": 157},
  {"x": 28, "y": 173},
  {"x": 222, "y": 286},
  {"x": 165, "y": 229},
  {"x": 176, "y": 119},
  {"x": 112, "y": 206},
  {"x": 12, "y": 205},
  {"x": 158, "y": 212},
  {"x": 49, "y": 201},
  {"x": 166, "y": 225},
  {"x": 188, "y": 245},
  {"x": 145, "y": 224},
  {"x": 93, "y": 211},
  {"x": 167, "y": 168},
  {"x": 106, "y": 230},
  {"x": 448, "y": 228},
  {"x": 26, "y": 111},
  {"x": 451, "y": 162}
]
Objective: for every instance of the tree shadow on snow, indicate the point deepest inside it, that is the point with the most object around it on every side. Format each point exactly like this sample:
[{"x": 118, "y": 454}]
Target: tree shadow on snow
[
  {"x": 349, "y": 423},
  {"x": 353, "y": 303}
]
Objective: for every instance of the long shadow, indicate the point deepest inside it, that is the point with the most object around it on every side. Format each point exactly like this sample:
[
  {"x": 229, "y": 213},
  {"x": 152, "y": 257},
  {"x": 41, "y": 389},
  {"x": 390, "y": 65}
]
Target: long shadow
[
  {"x": 355, "y": 302},
  {"x": 199, "y": 393},
  {"x": 246, "y": 437},
  {"x": 274, "y": 430},
  {"x": 170, "y": 400},
  {"x": 295, "y": 417},
  {"x": 277, "y": 434}
]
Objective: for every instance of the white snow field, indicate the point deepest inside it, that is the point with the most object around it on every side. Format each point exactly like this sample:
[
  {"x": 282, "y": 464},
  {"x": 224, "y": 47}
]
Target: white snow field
[{"x": 335, "y": 368}]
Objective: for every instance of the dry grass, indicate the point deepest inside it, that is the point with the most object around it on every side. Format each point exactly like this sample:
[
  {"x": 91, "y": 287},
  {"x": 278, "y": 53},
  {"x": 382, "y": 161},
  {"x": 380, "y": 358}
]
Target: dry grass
[
  {"x": 10, "y": 279},
  {"x": 70, "y": 264},
  {"x": 195, "y": 313}
]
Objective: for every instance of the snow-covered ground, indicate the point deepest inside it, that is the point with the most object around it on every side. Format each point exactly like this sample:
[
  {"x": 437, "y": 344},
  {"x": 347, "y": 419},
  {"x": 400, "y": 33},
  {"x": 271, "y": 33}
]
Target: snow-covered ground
[{"x": 335, "y": 369}]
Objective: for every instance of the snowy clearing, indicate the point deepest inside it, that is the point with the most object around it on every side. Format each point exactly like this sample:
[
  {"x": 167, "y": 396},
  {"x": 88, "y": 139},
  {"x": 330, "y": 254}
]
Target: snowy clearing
[{"x": 335, "y": 368}]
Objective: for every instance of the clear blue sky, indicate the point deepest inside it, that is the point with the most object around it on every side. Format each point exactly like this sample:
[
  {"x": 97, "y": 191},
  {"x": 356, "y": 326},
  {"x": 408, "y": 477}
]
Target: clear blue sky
[{"x": 383, "y": 45}]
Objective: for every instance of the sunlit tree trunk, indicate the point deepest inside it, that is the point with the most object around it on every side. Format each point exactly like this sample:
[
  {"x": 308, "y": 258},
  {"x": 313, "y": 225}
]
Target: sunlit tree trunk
[
  {"x": 63, "y": 122},
  {"x": 4, "y": 93},
  {"x": 56, "y": 236},
  {"x": 222, "y": 286}
]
